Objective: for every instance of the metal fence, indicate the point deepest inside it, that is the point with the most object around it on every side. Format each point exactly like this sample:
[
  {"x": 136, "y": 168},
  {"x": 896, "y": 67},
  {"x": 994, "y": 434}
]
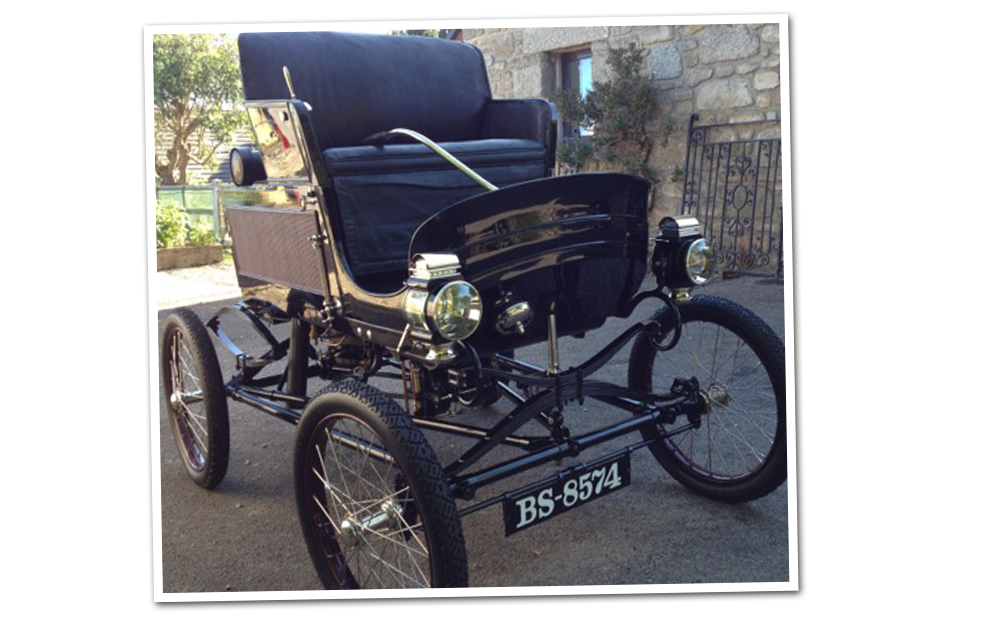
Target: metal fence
[
  {"x": 732, "y": 184},
  {"x": 208, "y": 202},
  {"x": 200, "y": 202}
]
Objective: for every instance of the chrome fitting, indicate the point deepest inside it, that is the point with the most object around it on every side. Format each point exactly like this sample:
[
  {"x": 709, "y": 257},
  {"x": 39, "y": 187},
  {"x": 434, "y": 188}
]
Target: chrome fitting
[
  {"x": 438, "y": 301},
  {"x": 429, "y": 266}
]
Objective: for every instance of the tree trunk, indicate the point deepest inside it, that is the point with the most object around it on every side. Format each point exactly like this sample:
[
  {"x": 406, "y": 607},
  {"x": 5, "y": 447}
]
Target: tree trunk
[
  {"x": 172, "y": 171},
  {"x": 180, "y": 158}
]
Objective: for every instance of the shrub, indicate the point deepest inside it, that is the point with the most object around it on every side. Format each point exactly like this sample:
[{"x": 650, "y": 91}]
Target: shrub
[
  {"x": 201, "y": 234},
  {"x": 623, "y": 113},
  {"x": 171, "y": 225}
]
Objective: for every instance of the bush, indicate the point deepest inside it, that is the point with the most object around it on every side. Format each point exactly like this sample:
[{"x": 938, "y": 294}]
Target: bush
[
  {"x": 624, "y": 115},
  {"x": 171, "y": 225},
  {"x": 173, "y": 230},
  {"x": 201, "y": 234}
]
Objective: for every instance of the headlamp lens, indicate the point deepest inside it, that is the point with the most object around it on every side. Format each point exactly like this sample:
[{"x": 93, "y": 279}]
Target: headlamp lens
[
  {"x": 236, "y": 167},
  {"x": 456, "y": 310},
  {"x": 699, "y": 261}
]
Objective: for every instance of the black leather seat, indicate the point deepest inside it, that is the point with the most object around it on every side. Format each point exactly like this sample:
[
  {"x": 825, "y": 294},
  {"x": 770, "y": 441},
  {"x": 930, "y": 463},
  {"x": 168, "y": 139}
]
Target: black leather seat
[{"x": 359, "y": 85}]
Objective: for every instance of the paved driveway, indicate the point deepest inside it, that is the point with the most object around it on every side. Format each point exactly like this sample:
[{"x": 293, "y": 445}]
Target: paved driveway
[{"x": 244, "y": 536}]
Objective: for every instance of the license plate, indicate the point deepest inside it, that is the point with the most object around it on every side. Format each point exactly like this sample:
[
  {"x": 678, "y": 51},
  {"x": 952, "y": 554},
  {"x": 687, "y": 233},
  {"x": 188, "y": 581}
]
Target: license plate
[{"x": 545, "y": 502}]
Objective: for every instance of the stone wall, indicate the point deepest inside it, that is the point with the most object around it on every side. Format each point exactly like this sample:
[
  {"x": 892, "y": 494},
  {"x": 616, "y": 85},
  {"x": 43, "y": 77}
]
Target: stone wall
[{"x": 725, "y": 73}]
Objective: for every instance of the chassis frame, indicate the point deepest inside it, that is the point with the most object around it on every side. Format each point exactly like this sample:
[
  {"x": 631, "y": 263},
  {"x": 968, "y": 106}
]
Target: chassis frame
[{"x": 549, "y": 391}]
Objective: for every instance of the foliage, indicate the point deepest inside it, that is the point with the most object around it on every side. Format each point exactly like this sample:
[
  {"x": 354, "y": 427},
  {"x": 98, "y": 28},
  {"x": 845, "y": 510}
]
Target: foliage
[
  {"x": 197, "y": 178},
  {"x": 622, "y": 112},
  {"x": 173, "y": 230},
  {"x": 201, "y": 234},
  {"x": 197, "y": 101},
  {"x": 171, "y": 225}
]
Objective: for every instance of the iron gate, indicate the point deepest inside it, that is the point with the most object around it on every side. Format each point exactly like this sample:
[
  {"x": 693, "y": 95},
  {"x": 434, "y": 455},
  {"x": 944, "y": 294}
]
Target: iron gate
[{"x": 732, "y": 185}]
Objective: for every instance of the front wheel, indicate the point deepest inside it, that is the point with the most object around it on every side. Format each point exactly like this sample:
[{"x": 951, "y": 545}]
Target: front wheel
[
  {"x": 737, "y": 451},
  {"x": 372, "y": 498}
]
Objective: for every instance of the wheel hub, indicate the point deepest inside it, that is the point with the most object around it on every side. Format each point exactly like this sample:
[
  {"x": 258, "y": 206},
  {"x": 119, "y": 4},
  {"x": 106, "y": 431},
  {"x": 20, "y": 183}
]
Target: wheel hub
[
  {"x": 178, "y": 398},
  {"x": 389, "y": 516},
  {"x": 716, "y": 393}
]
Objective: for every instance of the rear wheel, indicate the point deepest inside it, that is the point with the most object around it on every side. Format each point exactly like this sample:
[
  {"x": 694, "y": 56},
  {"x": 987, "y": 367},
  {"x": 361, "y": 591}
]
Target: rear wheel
[
  {"x": 372, "y": 498},
  {"x": 194, "y": 396},
  {"x": 738, "y": 450}
]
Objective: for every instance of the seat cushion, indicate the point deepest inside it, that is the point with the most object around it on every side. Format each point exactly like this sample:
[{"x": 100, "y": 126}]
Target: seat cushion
[{"x": 383, "y": 193}]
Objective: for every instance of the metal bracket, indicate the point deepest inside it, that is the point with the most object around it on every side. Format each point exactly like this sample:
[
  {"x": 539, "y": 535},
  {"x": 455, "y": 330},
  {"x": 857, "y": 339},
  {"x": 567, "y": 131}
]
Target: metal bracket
[
  {"x": 317, "y": 240},
  {"x": 252, "y": 309},
  {"x": 308, "y": 199}
]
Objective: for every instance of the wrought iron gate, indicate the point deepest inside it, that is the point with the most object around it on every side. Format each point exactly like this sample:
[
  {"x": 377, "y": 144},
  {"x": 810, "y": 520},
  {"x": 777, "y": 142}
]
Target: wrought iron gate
[{"x": 732, "y": 184}]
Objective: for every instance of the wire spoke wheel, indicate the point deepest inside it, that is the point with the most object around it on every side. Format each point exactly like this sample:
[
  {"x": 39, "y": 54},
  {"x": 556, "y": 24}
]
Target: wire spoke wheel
[
  {"x": 194, "y": 397},
  {"x": 737, "y": 451},
  {"x": 373, "y": 503}
]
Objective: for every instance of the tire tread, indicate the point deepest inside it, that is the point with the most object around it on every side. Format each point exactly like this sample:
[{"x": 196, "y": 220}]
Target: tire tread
[
  {"x": 446, "y": 528},
  {"x": 216, "y": 407},
  {"x": 769, "y": 347}
]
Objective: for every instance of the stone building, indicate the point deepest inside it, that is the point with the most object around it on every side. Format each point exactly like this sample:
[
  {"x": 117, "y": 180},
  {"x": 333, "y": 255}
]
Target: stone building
[{"x": 725, "y": 73}]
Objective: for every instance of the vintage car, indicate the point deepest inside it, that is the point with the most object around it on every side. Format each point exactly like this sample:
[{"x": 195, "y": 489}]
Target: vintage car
[{"x": 406, "y": 225}]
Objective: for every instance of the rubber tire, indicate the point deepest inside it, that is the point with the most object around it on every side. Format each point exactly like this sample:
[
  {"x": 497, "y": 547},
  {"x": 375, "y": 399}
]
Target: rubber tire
[
  {"x": 769, "y": 349},
  {"x": 215, "y": 408},
  {"x": 416, "y": 462}
]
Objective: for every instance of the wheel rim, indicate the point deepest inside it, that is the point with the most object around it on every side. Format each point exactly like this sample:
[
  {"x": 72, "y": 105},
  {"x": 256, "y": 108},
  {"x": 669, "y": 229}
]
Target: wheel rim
[
  {"x": 740, "y": 423},
  {"x": 362, "y": 513},
  {"x": 185, "y": 396}
]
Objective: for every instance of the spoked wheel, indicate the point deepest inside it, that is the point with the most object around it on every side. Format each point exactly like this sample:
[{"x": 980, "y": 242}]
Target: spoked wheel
[
  {"x": 737, "y": 452},
  {"x": 194, "y": 397},
  {"x": 373, "y": 503}
]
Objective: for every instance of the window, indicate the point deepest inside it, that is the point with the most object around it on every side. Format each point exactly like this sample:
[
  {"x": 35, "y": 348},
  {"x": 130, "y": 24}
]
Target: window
[{"x": 576, "y": 76}]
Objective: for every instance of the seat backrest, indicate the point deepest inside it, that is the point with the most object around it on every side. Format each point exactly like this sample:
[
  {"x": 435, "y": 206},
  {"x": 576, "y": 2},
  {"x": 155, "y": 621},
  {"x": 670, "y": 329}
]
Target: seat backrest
[{"x": 360, "y": 84}]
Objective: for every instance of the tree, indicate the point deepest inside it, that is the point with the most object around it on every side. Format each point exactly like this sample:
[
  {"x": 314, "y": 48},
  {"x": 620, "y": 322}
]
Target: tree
[
  {"x": 622, "y": 112},
  {"x": 197, "y": 101}
]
